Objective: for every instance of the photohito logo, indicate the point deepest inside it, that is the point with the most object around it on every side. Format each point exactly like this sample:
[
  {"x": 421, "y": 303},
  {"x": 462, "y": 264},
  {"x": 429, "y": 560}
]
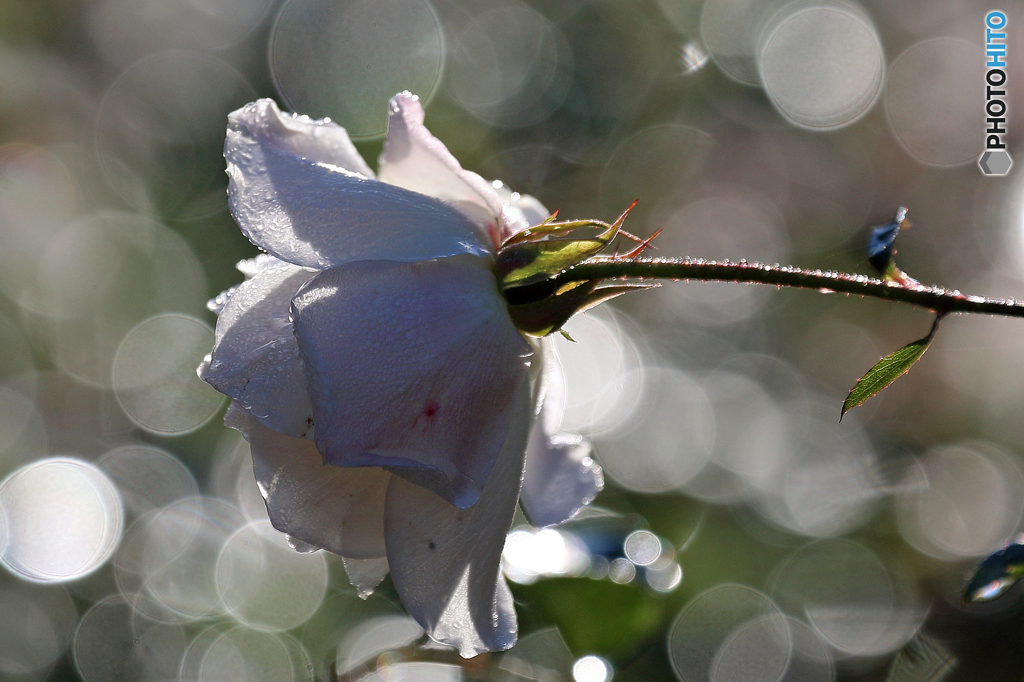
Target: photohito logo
[{"x": 996, "y": 160}]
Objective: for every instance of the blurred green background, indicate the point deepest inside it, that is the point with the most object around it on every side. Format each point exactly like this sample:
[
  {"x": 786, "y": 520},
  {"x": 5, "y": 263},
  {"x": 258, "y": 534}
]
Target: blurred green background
[{"x": 786, "y": 545}]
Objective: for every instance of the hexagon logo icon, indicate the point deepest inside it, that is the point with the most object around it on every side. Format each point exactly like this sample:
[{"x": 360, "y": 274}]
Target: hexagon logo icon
[{"x": 996, "y": 162}]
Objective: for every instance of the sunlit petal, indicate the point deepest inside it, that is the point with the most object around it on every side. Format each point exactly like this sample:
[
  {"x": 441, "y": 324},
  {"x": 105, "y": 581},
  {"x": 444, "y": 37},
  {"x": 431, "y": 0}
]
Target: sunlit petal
[
  {"x": 365, "y": 574},
  {"x": 416, "y": 160},
  {"x": 411, "y": 366},
  {"x": 560, "y": 479},
  {"x": 255, "y": 359},
  {"x": 320, "y": 141},
  {"x": 444, "y": 561},
  {"x": 338, "y": 509},
  {"x": 291, "y": 199},
  {"x": 519, "y": 211},
  {"x": 250, "y": 267}
]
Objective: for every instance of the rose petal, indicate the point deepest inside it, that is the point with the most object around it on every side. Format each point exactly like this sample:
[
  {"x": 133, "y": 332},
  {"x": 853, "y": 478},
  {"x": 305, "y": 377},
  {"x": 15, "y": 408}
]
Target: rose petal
[
  {"x": 320, "y": 141},
  {"x": 255, "y": 358},
  {"x": 338, "y": 509},
  {"x": 250, "y": 267},
  {"x": 445, "y": 561},
  {"x": 416, "y": 160},
  {"x": 411, "y": 366},
  {"x": 290, "y": 199},
  {"x": 520, "y": 211},
  {"x": 561, "y": 478},
  {"x": 300, "y": 546},
  {"x": 532, "y": 210},
  {"x": 365, "y": 574}
]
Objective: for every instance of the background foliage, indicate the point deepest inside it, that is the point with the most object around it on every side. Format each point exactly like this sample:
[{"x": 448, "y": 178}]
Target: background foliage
[{"x": 773, "y": 131}]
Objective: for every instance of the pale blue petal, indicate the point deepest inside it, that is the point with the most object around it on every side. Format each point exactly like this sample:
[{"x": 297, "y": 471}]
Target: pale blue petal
[
  {"x": 366, "y": 574},
  {"x": 255, "y": 359},
  {"x": 411, "y": 366},
  {"x": 445, "y": 562},
  {"x": 416, "y": 160},
  {"x": 561, "y": 477},
  {"x": 340, "y": 510},
  {"x": 290, "y": 199}
]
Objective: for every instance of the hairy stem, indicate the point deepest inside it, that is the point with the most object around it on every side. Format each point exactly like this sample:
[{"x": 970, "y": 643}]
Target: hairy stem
[{"x": 931, "y": 297}]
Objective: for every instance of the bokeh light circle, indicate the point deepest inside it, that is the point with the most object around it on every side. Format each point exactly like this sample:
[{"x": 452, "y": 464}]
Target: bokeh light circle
[
  {"x": 169, "y": 558},
  {"x": 721, "y": 628},
  {"x": 154, "y": 135},
  {"x": 37, "y": 199},
  {"x": 826, "y": 485},
  {"x": 934, "y": 101},
  {"x": 114, "y": 642},
  {"x": 758, "y": 650},
  {"x": 125, "y": 30},
  {"x": 849, "y": 597},
  {"x": 147, "y": 477},
  {"x": 754, "y": 439},
  {"x": 599, "y": 377},
  {"x": 731, "y": 30},
  {"x": 664, "y": 578},
  {"x": 822, "y": 66},
  {"x": 252, "y": 655},
  {"x": 642, "y": 547},
  {"x": 374, "y": 636},
  {"x": 154, "y": 375},
  {"x": 40, "y": 633},
  {"x": 660, "y": 163},
  {"x": 102, "y": 275},
  {"x": 509, "y": 66},
  {"x": 265, "y": 583},
  {"x": 961, "y": 501},
  {"x": 591, "y": 669},
  {"x": 668, "y": 441},
  {"x": 530, "y": 554},
  {"x": 63, "y": 520},
  {"x": 344, "y": 59}
]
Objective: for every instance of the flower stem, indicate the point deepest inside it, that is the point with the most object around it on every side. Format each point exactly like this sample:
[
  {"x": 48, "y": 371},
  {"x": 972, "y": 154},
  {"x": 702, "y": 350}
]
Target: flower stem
[{"x": 933, "y": 298}]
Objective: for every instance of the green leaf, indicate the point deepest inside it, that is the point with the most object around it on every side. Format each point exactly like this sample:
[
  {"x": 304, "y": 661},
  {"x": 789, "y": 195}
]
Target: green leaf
[{"x": 889, "y": 369}]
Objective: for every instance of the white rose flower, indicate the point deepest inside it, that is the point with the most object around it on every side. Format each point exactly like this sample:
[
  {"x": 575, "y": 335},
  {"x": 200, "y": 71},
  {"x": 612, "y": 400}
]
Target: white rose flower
[{"x": 374, "y": 369}]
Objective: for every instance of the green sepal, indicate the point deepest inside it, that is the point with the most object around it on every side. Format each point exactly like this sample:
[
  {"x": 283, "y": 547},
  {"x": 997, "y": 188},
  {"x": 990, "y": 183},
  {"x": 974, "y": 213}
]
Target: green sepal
[
  {"x": 546, "y": 315},
  {"x": 549, "y": 249}
]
